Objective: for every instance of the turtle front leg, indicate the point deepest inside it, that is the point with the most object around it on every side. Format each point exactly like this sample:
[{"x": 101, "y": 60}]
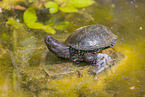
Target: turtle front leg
[{"x": 76, "y": 55}]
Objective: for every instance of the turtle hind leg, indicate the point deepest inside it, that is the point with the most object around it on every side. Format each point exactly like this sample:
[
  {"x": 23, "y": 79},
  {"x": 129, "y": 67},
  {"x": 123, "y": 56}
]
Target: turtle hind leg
[
  {"x": 90, "y": 57},
  {"x": 103, "y": 62}
]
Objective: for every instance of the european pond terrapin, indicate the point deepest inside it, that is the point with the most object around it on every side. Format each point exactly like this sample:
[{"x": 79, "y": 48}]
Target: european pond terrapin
[{"x": 84, "y": 44}]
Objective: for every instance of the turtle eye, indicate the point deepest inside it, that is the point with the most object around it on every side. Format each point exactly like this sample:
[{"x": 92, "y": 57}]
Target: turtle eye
[
  {"x": 111, "y": 45},
  {"x": 47, "y": 39}
]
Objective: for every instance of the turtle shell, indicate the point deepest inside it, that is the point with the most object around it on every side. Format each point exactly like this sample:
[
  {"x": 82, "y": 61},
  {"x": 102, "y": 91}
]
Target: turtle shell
[{"x": 92, "y": 37}]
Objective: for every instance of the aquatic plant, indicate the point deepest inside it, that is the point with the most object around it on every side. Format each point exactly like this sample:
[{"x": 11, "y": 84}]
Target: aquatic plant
[{"x": 50, "y": 8}]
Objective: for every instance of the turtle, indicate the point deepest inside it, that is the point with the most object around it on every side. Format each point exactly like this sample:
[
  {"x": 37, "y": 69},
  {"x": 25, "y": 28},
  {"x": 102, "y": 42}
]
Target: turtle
[{"x": 84, "y": 44}]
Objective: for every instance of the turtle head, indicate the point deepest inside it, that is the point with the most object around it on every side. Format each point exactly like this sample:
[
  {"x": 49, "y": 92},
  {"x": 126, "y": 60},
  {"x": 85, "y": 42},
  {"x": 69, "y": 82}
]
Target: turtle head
[{"x": 56, "y": 47}]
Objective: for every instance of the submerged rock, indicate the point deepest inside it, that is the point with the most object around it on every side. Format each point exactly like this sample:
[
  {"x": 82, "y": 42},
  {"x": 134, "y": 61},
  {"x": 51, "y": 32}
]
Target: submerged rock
[{"x": 108, "y": 58}]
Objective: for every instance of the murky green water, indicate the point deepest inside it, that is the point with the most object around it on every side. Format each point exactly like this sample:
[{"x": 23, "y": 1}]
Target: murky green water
[{"x": 26, "y": 67}]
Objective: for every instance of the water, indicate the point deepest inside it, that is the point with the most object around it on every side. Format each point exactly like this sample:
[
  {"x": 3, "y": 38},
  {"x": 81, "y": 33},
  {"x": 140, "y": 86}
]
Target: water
[{"x": 26, "y": 65}]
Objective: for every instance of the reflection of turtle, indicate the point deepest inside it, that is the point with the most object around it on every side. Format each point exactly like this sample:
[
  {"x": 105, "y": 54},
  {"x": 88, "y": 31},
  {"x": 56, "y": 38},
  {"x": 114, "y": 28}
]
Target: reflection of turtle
[{"x": 84, "y": 45}]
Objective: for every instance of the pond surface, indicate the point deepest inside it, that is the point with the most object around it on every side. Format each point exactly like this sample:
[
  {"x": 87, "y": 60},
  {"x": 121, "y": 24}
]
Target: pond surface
[{"x": 27, "y": 68}]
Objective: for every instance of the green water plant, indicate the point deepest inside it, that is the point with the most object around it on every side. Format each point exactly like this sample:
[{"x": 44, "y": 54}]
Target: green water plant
[
  {"x": 32, "y": 9},
  {"x": 30, "y": 17},
  {"x": 67, "y": 5}
]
